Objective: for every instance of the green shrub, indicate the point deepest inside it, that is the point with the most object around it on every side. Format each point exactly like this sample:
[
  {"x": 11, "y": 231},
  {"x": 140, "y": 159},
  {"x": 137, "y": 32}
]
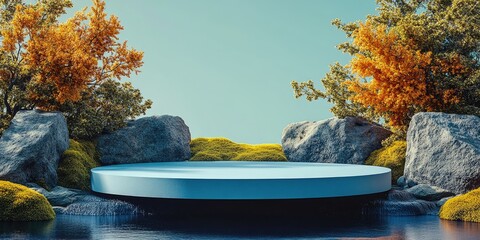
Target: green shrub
[
  {"x": 103, "y": 107},
  {"x": 74, "y": 167},
  {"x": 217, "y": 149},
  {"x": 464, "y": 207},
  {"x": 19, "y": 203},
  {"x": 392, "y": 156}
]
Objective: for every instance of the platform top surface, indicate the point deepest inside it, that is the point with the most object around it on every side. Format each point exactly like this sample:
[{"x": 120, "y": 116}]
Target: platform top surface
[{"x": 239, "y": 170}]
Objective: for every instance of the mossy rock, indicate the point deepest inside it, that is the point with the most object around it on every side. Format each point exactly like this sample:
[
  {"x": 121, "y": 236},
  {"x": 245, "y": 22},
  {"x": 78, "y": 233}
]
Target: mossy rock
[
  {"x": 464, "y": 207},
  {"x": 392, "y": 156},
  {"x": 19, "y": 203},
  {"x": 221, "y": 149},
  {"x": 74, "y": 167}
]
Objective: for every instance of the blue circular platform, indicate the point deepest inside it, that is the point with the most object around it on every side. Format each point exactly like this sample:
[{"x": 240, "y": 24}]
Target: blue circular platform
[{"x": 231, "y": 180}]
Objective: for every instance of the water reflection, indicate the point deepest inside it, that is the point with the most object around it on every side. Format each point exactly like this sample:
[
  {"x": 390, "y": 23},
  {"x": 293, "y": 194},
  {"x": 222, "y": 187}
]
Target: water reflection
[
  {"x": 454, "y": 228},
  {"x": 150, "y": 227},
  {"x": 42, "y": 228}
]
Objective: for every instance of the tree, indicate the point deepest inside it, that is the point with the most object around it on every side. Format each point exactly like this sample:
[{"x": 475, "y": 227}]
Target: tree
[
  {"x": 336, "y": 92},
  {"x": 450, "y": 30},
  {"x": 103, "y": 109},
  {"x": 51, "y": 65},
  {"x": 398, "y": 87},
  {"x": 417, "y": 55},
  {"x": 20, "y": 23}
]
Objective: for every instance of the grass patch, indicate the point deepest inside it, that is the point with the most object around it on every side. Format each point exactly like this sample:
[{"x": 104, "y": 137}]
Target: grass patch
[
  {"x": 218, "y": 149},
  {"x": 392, "y": 156},
  {"x": 19, "y": 203},
  {"x": 74, "y": 167},
  {"x": 464, "y": 207}
]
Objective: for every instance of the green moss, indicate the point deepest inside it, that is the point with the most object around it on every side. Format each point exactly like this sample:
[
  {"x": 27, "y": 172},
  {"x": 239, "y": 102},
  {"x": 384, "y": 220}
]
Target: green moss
[
  {"x": 464, "y": 207},
  {"x": 392, "y": 156},
  {"x": 19, "y": 203},
  {"x": 74, "y": 167},
  {"x": 216, "y": 149}
]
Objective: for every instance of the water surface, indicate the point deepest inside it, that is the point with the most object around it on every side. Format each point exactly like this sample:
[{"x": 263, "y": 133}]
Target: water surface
[{"x": 154, "y": 227}]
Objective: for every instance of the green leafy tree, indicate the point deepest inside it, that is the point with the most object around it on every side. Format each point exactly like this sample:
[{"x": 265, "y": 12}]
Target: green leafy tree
[
  {"x": 336, "y": 92},
  {"x": 104, "y": 109}
]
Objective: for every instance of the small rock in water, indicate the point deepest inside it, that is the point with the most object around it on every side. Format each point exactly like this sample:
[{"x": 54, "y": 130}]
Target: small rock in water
[
  {"x": 429, "y": 193},
  {"x": 400, "y": 195},
  {"x": 411, "y": 183},
  {"x": 401, "y": 181},
  {"x": 76, "y": 202},
  {"x": 59, "y": 196},
  {"x": 442, "y": 201},
  {"x": 103, "y": 207},
  {"x": 58, "y": 209},
  {"x": 400, "y": 203}
]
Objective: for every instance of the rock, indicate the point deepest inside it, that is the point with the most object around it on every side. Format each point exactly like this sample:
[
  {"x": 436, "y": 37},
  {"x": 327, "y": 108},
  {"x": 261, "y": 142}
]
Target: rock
[
  {"x": 397, "y": 195},
  {"x": 91, "y": 205},
  {"x": 411, "y": 183},
  {"x": 76, "y": 202},
  {"x": 31, "y": 147},
  {"x": 401, "y": 182},
  {"x": 150, "y": 139},
  {"x": 400, "y": 203},
  {"x": 58, "y": 210},
  {"x": 443, "y": 150},
  {"x": 348, "y": 140},
  {"x": 60, "y": 196},
  {"x": 442, "y": 201},
  {"x": 429, "y": 193}
]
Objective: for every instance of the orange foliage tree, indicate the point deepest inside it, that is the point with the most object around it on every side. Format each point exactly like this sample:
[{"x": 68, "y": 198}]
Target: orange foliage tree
[
  {"x": 395, "y": 76},
  {"x": 61, "y": 60},
  {"x": 412, "y": 56}
]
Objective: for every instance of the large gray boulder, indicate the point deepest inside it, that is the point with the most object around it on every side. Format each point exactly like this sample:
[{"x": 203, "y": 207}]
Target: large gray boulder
[
  {"x": 31, "y": 147},
  {"x": 443, "y": 150},
  {"x": 148, "y": 139},
  {"x": 349, "y": 140}
]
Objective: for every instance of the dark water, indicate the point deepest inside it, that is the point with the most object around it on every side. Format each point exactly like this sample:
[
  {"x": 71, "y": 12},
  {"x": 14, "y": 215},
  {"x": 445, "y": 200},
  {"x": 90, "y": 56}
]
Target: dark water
[{"x": 150, "y": 227}]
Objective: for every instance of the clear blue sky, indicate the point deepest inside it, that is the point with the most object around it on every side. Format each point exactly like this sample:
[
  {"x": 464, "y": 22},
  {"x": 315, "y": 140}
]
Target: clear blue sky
[{"x": 225, "y": 66}]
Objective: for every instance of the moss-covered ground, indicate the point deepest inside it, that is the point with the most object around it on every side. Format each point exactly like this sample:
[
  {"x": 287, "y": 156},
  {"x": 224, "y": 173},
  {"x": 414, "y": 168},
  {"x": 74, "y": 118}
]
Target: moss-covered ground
[
  {"x": 75, "y": 164},
  {"x": 218, "y": 149},
  {"x": 392, "y": 156},
  {"x": 464, "y": 207},
  {"x": 19, "y": 203}
]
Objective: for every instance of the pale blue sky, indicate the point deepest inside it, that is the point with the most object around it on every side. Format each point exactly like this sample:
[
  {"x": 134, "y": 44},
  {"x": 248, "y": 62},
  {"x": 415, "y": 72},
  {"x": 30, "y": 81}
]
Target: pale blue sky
[{"x": 225, "y": 66}]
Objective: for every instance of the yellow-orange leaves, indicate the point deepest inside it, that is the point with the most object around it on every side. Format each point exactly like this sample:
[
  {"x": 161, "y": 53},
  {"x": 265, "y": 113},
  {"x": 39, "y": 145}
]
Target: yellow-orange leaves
[
  {"x": 396, "y": 71},
  {"x": 61, "y": 57},
  {"x": 65, "y": 58},
  {"x": 25, "y": 22}
]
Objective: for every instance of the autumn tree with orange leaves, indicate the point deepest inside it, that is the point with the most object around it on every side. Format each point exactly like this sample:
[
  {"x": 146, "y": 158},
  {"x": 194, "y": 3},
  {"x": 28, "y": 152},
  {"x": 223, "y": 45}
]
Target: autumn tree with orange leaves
[
  {"x": 413, "y": 56},
  {"x": 393, "y": 76},
  {"x": 52, "y": 66}
]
